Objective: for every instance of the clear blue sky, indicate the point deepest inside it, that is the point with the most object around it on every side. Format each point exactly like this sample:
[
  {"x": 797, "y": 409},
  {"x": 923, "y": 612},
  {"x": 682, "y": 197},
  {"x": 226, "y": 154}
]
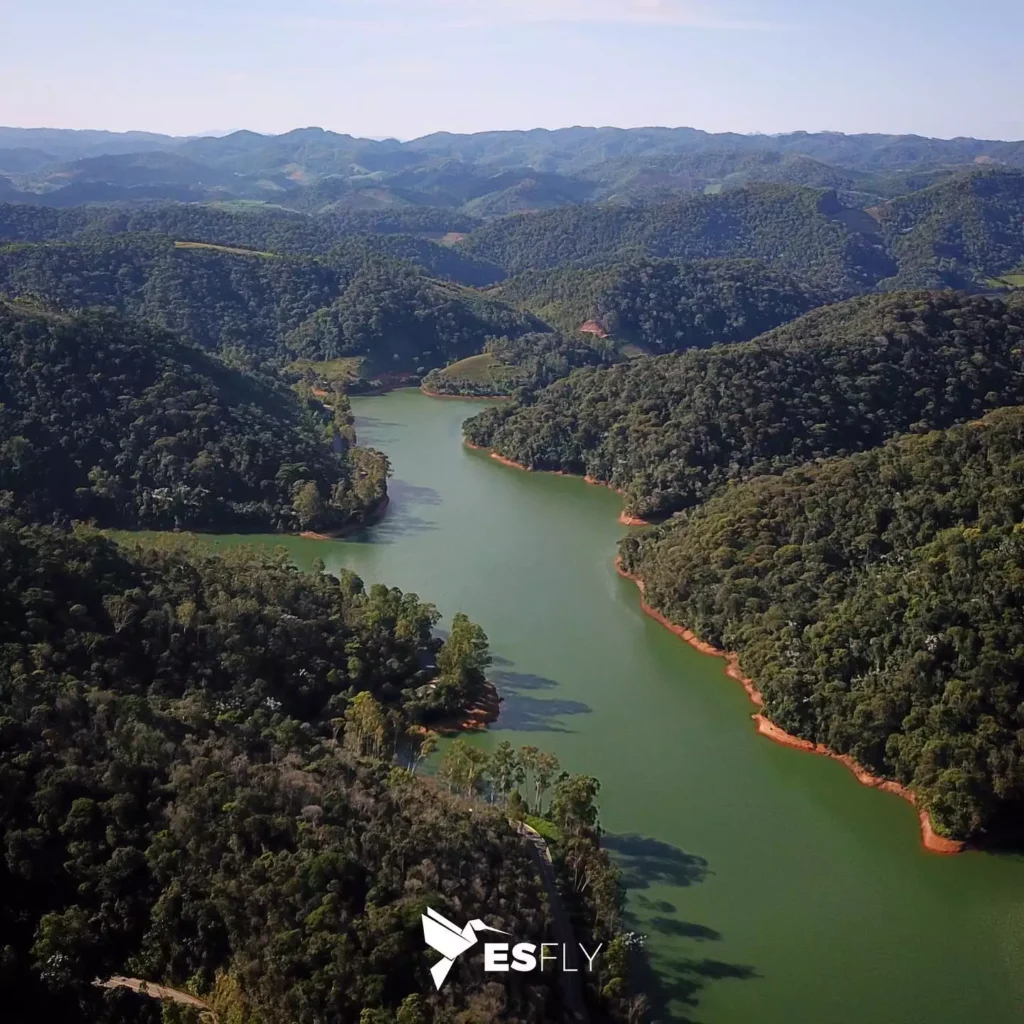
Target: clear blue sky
[{"x": 408, "y": 67}]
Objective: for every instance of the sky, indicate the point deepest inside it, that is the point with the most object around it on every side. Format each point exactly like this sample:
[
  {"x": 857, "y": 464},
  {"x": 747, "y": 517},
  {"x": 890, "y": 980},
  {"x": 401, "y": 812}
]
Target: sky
[{"x": 405, "y": 68}]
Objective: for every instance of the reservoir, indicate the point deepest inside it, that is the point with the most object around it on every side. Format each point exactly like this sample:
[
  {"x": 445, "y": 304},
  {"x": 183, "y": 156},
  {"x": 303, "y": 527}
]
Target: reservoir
[{"x": 771, "y": 886}]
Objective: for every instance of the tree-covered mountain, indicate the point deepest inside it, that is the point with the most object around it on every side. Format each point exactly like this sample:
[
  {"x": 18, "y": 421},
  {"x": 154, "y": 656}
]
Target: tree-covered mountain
[
  {"x": 958, "y": 233},
  {"x": 794, "y": 230},
  {"x": 208, "y": 782},
  {"x": 109, "y": 420},
  {"x": 664, "y": 305},
  {"x": 402, "y": 235},
  {"x": 352, "y": 302},
  {"x": 673, "y": 430},
  {"x": 876, "y": 601},
  {"x": 606, "y": 315}
]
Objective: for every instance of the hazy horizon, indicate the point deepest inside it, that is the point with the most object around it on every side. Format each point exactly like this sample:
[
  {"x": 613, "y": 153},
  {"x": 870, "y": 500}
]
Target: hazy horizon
[
  {"x": 409, "y": 68},
  {"x": 223, "y": 133}
]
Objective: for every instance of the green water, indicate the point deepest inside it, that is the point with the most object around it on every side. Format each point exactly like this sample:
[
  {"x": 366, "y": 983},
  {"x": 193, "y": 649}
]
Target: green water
[{"x": 772, "y": 887}]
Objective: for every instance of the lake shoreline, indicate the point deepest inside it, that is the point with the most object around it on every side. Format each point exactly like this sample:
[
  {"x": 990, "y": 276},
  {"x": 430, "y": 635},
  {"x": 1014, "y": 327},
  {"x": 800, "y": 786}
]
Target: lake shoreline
[
  {"x": 930, "y": 839},
  {"x": 481, "y": 714},
  {"x": 464, "y": 398},
  {"x": 373, "y": 517},
  {"x": 625, "y": 518}
]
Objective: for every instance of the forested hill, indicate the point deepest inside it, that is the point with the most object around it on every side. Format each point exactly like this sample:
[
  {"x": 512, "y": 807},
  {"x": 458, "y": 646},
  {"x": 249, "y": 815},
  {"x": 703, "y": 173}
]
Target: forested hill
[
  {"x": 664, "y": 305},
  {"x": 399, "y": 234},
  {"x": 796, "y": 230},
  {"x": 876, "y": 601},
  {"x": 958, "y": 233},
  {"x": 200, "y": 789},
  {"x": 672, "y": 430},
  {"x": 107, "y": 420},
  {"x": 352, "y": 302}
]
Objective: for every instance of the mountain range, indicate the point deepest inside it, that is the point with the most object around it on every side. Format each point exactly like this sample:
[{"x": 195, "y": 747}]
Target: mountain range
[{"x": 483, "y": 175}]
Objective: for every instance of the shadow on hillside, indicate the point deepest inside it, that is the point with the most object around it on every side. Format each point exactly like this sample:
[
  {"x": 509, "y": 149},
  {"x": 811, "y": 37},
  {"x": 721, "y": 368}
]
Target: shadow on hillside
[{"x": 521, "y": 712}]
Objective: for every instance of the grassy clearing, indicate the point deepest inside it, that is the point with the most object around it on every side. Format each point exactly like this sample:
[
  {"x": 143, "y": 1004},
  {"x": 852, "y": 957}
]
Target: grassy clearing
[
  {"x": 1015, "y": 279},
  {"x": 478, "y": 369},
  {"x": 341, "y": 371},
  {"x": 548, "y": 829},
  {"x": 225, "y": 248}
]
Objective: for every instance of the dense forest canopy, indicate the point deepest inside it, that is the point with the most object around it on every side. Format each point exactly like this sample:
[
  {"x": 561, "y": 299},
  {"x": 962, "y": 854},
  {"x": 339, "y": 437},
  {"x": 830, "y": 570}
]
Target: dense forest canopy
[
  {"x": 210, "y": 766},
  {"x": 664, "y": 305},
  {"x": 670, "y": 431},
  {"x": 796, "y": 230},
  {"x": 402, "y": 234},
  {"x": 108, "y": 420},
  {"x": 510, "y": 366},
  {"x": 876, "y": 601},
  {"x": 208, "y": 780},
  {"x": 352, "y": 301},
  {"x": 957, "y": 233}
]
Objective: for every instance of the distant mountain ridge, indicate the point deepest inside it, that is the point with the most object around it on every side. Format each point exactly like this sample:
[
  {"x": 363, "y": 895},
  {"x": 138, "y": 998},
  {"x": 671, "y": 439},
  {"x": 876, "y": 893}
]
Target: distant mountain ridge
[{"x": 485, "y": 174}]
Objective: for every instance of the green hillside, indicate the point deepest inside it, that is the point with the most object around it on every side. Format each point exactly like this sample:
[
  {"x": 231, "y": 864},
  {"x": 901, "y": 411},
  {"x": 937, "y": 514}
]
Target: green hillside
[
  {"x": 112, "y": 421},
  {"x": 875, "y": 600}
]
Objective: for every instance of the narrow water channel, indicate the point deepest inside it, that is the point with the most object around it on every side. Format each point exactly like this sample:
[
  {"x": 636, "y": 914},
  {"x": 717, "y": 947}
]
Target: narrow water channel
[{"x": 773, "y": 888}]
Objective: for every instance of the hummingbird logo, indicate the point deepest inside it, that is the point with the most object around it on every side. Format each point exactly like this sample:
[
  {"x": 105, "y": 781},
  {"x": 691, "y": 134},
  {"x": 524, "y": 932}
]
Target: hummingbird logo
[{"x": 449, "y": 940}]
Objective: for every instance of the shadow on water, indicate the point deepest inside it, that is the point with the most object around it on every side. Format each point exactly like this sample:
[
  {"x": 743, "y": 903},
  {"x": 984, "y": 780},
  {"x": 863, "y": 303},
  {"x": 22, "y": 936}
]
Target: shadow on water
[
  {"x": 399, "y": 519},
  {"x": 673, "y": 990},
  {"x": 645, "y": 861},
  {"x": 402, "y": 492},
  {"x": 684, "y": 929},
  {"x": 521, "y": 712},
  {"x": 672, "y": 983}
]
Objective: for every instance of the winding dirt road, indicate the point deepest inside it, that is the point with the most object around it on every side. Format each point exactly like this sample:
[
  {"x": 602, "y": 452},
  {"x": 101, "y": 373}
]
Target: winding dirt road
[{"x": 572, "y": 990}]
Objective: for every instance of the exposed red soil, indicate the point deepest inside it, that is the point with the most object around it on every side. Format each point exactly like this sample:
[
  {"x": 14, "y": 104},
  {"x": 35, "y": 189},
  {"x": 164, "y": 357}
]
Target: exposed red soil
[
  {"x": 475, "y": 718},
  {"x": 147, "y": 988},
  {"x": 463, "y": 398},
  {"x": 930, "y": 839},
  {"x": 593, "y": 327},
  {"x": 624, "y": 517}
]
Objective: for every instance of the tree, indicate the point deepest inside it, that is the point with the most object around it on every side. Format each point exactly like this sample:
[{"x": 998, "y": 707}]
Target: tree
[
  {"x": 546, "y": 767},
  {"x": 365, "y": 725},
  {"x": 462, "y": 766},
  {"x": 308, "y": 504},
  {"x": 505, "y": 770},
  {"x": 427, "y": 743},
  {"x": 572, "y": 805}
]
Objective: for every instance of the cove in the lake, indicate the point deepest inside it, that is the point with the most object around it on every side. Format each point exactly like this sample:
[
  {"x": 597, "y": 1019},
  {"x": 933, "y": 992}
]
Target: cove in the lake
[{"x": 772, "y": 887}]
